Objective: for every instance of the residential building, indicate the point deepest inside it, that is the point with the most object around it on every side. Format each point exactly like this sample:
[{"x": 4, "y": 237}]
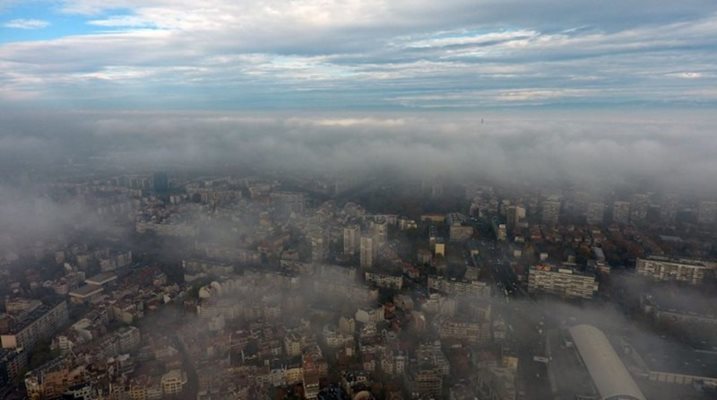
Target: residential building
[
  {"x": 671, "y": 269},
  {"x": 561, "y": 281}
]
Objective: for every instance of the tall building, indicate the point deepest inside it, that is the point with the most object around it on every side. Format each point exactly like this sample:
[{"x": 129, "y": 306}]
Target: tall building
[
  {"x": 160, "y": 182},
  {"x": 564, "y": 282},
  {"x": 319, "y": 246},
  {"x": 28, "y": 328},
  {"x": 550, "y": 212},
  {"x": 707, "y": 212},
  {"x": 287, "y": 203},
  {"x": 379, "y": 230},
  {"x": 595, "y": 214},
  {"x": 352, "y": 239},
  {"x": 621, "y": 212},
  {"x": 668, "y": 269},
  {"x": 639, "y": 207},
  {"x": 514, "y": 217},
  {"x": 369, "y": 250},
  {"x": 424, "y": 378},
  {"x": 12, "y": 363}
]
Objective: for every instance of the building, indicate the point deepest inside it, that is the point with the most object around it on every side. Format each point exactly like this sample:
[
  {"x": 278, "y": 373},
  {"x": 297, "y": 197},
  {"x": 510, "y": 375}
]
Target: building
[
  {"x": 384, "y": 280},
  {"x": 173, "y": 382},
  {"x": 369, "y": 251},
  {"x": 607, "y": 372},
  {"x": 379, "y": 230},
  {"x": 496, "y": 383},
  {"x": 145, "y": 387},
  {"x": 453, "y": 286},
  {"x": 550, "y": 211},
  {"x": 621, "y": 212},
  {"x": 564, "y": 282},
  {"x": 53, "y": 379},
  {"x": 670, "y": 269},
  {"x": 424, "y": 382},
  {"x": 595, "y": 213},
  {"x": 639, "y": 207},
  {"x": 514, "y": 217},
  {"x": 319, "y": 245},
  {"x": 352, "y": 239},
  {"x": 674, "y": 363},
  {"x": 439, "y": 249},
  {"x": 500, "y": 230},
  {"x": 85, "y": 293},
  {"x": 28, "y": 328},
  {"x": 12, "y": 362},
  {"x": 102, "y": 279},
  {"x": 287, "y": 203},
  {"x": 458, "y": 232},
  {"x": 707, "y": 212},
  {"x": 468, "y": 331},
  {"x": 314, "y": 368},
  {"x": 424, "y": 378},
  {"x": 160, "y": 182}
]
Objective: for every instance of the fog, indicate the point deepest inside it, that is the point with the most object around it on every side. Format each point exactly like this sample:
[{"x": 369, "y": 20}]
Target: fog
[{"x": 597, "y": 150}]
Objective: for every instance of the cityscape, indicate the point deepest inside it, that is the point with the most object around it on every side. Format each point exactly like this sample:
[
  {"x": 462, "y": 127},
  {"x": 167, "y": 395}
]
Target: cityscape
[
  {"x": 358, "y": 200},
  {"x": 231, "y": 286}
]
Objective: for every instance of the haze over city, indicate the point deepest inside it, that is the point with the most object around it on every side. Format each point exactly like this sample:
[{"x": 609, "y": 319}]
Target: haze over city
[{"x": 346, "y": 199}]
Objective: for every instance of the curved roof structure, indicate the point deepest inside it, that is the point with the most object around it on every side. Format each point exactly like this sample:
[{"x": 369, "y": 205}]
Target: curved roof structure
[{"x": 612, "y": 379}]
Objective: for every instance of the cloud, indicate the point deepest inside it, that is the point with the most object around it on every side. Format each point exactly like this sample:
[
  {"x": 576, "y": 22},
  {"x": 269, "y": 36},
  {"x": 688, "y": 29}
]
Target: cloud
[
  {"x": 687, "y": 75},
  {"x": 671, "y": 151},
  {"x": 124, "y": 21},
  {"x": 26, "y": 24},
  {"x": 359, "y": 54}
]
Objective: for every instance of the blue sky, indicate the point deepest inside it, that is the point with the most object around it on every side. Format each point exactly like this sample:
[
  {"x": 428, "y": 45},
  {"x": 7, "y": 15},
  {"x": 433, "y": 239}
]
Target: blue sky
[{"x": 358, "y": 54}]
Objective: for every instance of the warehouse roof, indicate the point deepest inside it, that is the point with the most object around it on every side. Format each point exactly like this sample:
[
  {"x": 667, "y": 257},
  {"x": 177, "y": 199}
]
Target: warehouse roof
[{"x": 607, "y": 371}]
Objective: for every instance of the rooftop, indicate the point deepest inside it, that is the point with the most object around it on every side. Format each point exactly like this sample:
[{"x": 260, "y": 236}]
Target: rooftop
[
  {"x": 102, "y": 278},
  {"x": 665, "y": 356},
  {"x": 607, "y": 371},
  {"x": 24, "y": 320},
  {"x": 86, "y": 291}
]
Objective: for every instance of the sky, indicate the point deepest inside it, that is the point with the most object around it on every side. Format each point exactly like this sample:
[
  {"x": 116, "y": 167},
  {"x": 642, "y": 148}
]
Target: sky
[{"x": 358, "y": 54}]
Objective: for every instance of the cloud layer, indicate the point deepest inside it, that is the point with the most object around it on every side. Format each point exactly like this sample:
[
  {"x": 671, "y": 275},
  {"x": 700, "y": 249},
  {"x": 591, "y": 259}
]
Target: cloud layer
[
  {"x": 596, "y": 150},
  {"x": 26, "y": 24},
  {"x": 370, "y": 54}
]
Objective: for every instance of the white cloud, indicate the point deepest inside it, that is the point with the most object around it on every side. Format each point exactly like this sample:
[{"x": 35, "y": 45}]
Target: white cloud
[
  {"x": 22, "y": 23},
  {"x": 686, "y": 75},
  {"x": 123, "y": 21},
  {"x": 469, "y": 39},
  {"x": 375, "y": 52}
]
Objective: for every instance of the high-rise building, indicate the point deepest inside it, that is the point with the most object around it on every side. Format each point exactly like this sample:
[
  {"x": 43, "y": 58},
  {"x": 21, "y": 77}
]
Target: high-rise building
[
  {"x": 319, "y": 246},
  {"x": 352, "y": 239},
  {"x": 369, "y": 250},
  {"x": 514, "y": 217},
  {"x": 287, "y": 203},
  {"x": 550, "y": 212},
  {"x": 28, "y": 328},
  {"x": 595, "y": 213},
  {"x": 639, "y": 207},
  {"x": 160, "y": 182},
  {"x": 621, "y": 212},
  {"x": 707, "y": 212},
  {"x": 379, "y": 230}
]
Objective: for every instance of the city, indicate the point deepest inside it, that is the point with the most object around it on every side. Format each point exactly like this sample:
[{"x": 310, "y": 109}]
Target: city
[
  {"x": 217, "y": 287},
  {"x": 358, "y": 200}
]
